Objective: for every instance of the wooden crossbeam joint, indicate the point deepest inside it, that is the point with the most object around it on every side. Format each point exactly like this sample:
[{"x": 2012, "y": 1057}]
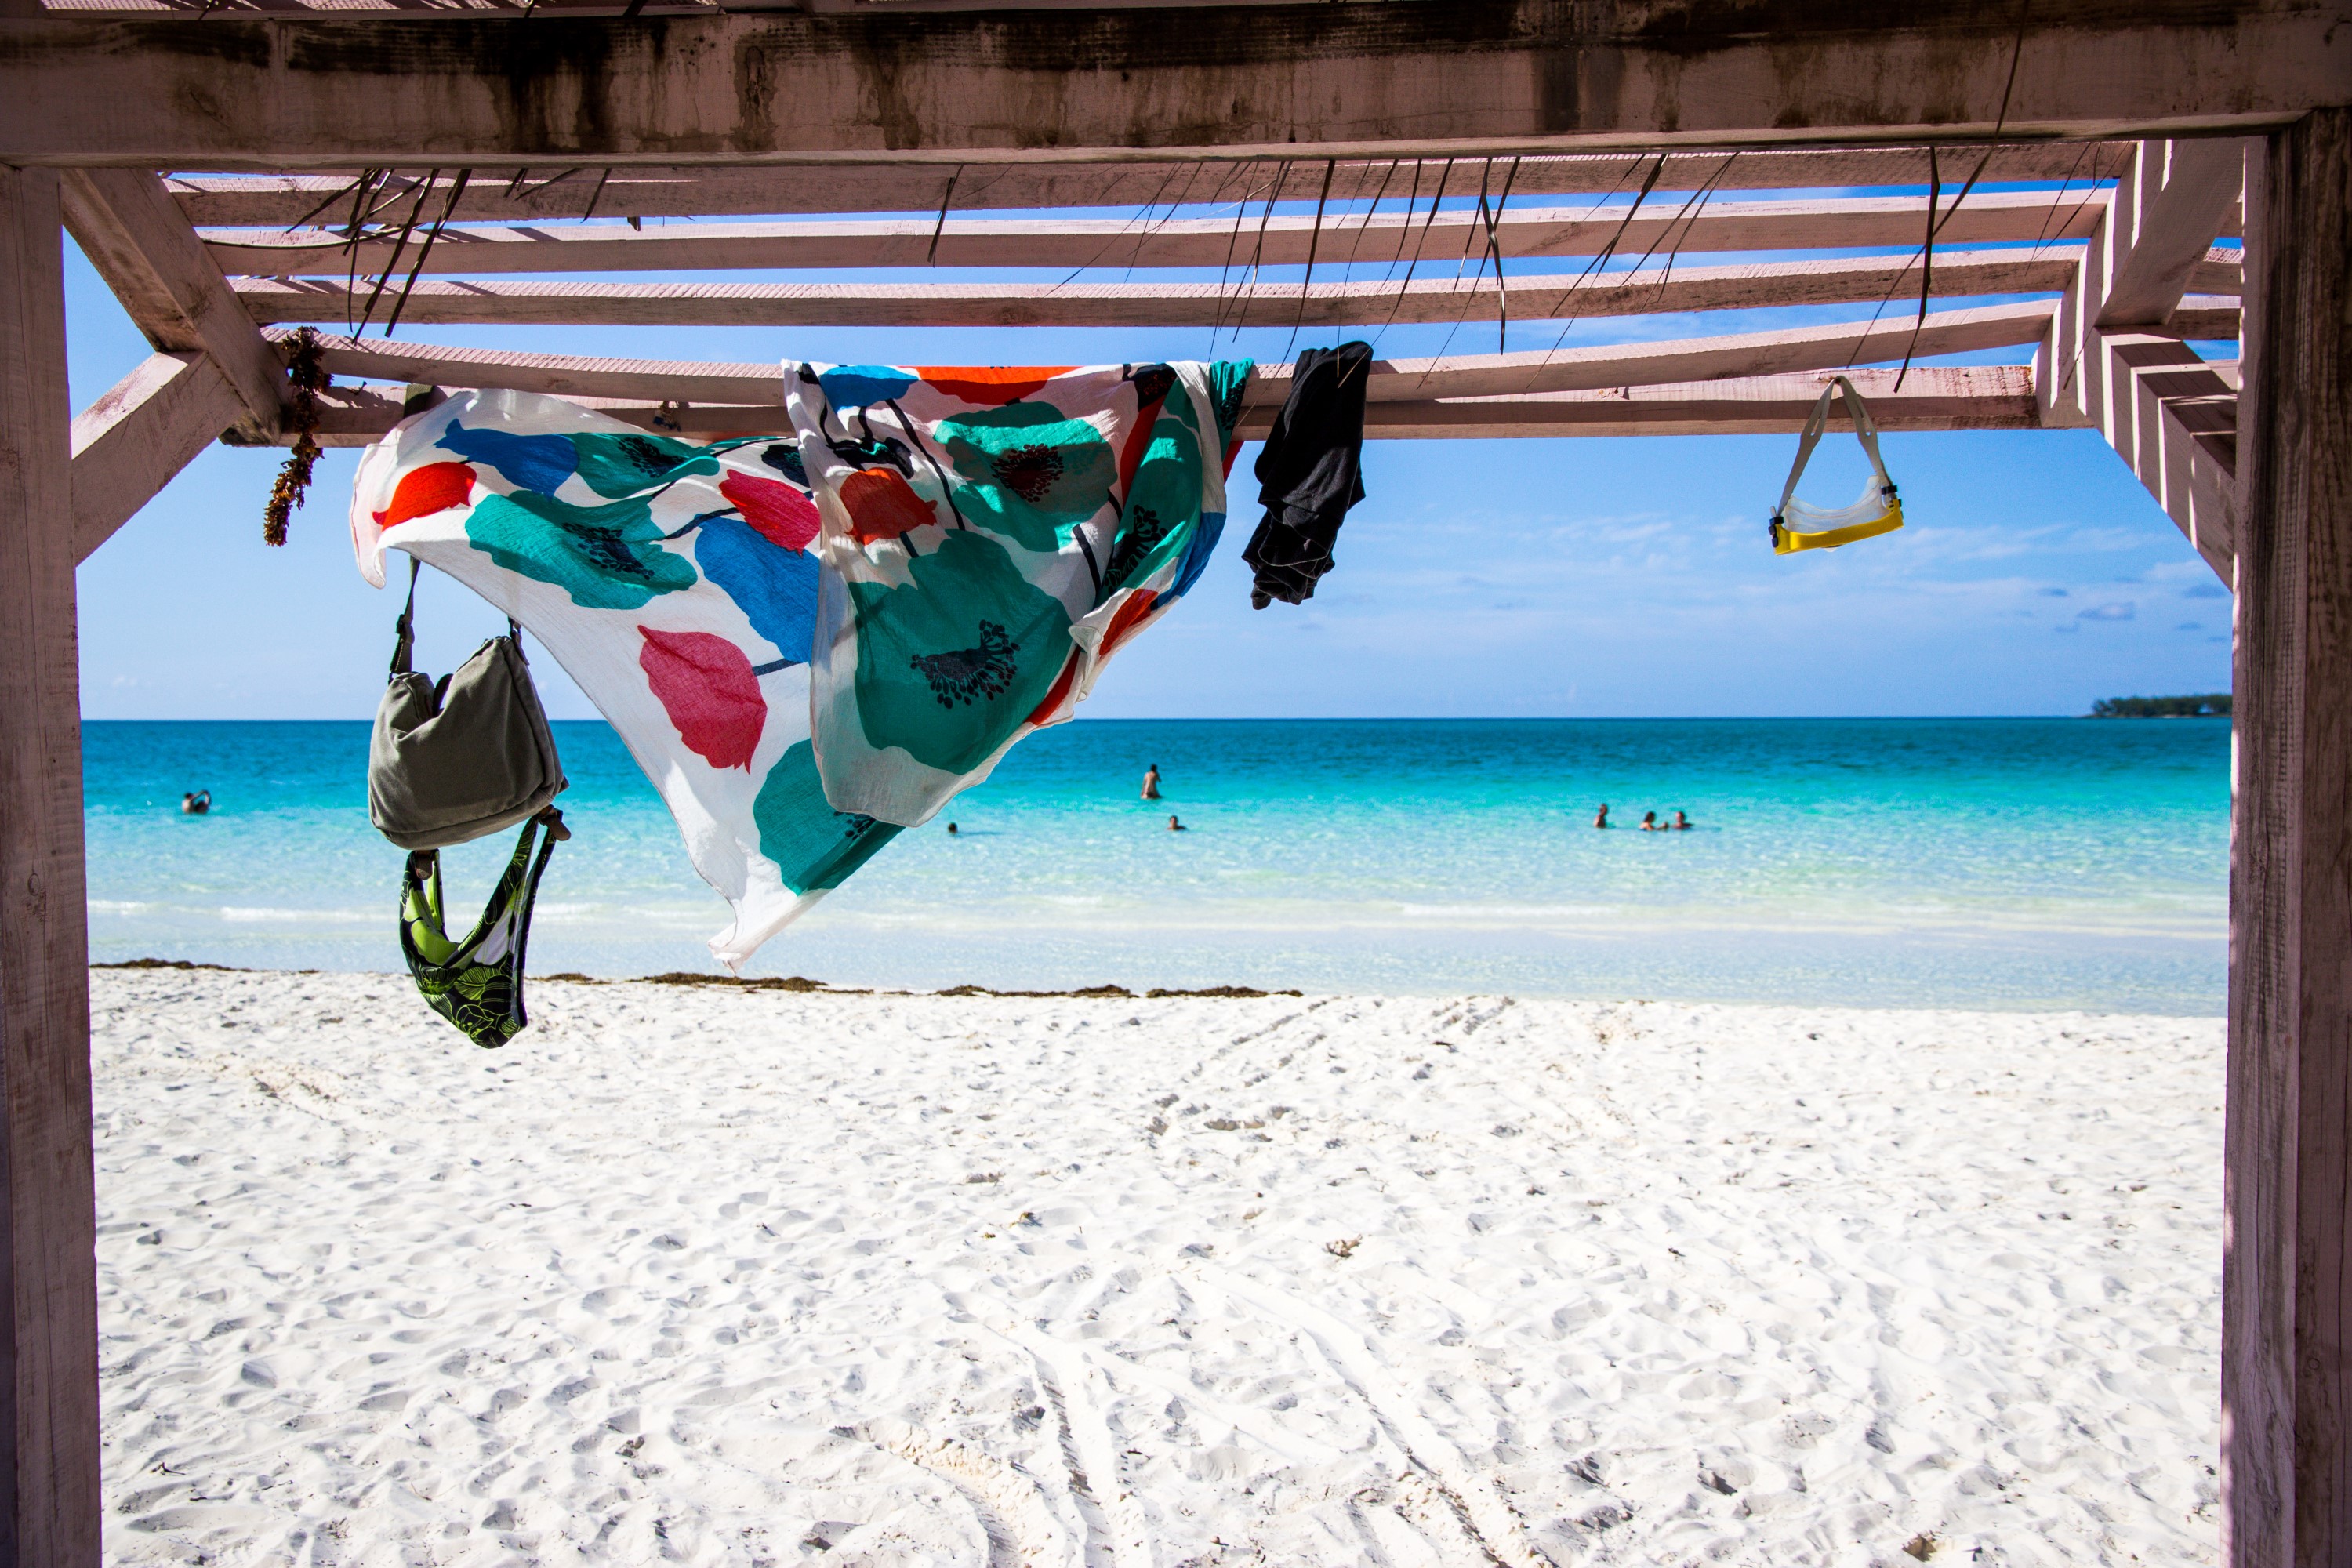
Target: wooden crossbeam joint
[
  {"x": 2114, "y": 359},
  {"x": 132, "y": 232},
  {"x": 2165, "y": 214}
]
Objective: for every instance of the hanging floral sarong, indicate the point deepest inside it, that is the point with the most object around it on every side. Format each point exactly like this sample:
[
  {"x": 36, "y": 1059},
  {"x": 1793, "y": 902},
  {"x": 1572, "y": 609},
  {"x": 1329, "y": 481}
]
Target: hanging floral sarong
[
  {"x": 990, "y": 539},
  {"x": 678, "y": 583}
]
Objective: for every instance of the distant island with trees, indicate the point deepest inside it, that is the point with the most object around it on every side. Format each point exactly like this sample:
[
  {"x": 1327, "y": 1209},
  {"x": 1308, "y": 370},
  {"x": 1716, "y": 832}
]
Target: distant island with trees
[{"x": 2215, "y": 705}]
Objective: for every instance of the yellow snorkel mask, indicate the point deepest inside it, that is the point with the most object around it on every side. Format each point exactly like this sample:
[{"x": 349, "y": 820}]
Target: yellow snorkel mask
[{"x": 1798, "y": 526}]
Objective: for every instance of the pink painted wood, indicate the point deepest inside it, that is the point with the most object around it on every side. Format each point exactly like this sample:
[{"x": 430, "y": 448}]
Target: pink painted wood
[
  {"x": 50, "y": 1471},
  {"x": 2287, "y": 1355}
]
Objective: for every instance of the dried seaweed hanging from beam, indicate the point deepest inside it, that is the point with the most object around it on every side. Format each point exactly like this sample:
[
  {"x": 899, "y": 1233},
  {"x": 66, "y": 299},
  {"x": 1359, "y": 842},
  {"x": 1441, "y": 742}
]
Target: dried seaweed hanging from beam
[{"x": 293, "y": 481}]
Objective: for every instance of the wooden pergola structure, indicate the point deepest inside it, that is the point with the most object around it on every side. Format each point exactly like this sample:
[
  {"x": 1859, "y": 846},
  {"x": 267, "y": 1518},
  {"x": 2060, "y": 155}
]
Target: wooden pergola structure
[{"x": 236, "y": 167}]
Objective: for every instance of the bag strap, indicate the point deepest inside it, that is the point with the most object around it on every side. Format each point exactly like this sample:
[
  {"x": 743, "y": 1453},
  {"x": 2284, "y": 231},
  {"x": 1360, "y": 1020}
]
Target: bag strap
[
  {"x": 404, "y": 629},
  {"x": 1865, "y": 430}
]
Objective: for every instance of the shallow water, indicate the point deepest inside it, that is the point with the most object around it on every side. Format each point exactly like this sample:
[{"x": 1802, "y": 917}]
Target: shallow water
[{"x": 1994, "y": 862}]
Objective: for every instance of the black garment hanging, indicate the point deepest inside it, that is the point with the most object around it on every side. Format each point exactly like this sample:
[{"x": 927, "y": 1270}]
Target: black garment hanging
[{"x": 1309, "y": 473}]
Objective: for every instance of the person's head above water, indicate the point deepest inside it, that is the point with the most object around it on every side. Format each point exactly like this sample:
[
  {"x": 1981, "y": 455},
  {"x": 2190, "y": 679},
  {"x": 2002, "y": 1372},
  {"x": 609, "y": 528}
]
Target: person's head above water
[
  {"x": 1175, "y": 826},
  {"x": 952, "y": 827}
]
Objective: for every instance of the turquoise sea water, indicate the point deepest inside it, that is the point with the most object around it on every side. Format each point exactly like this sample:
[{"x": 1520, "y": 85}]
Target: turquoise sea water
[{"x": 2007, "y": 863}]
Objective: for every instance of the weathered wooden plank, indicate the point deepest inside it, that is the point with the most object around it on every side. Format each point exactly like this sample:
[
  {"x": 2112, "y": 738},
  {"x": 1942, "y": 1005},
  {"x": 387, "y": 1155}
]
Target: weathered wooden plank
[
  {"x": 1604, "y": 365},
  {"x": 145, "y": 429},
  {"x": 2171, "y": 418},
  {"x": 2199, "y": 486},
  {"x": 1637, "y": 292},
  {"x": 1294, "y": 82},
  {"x": 1416, "y": 380},
  {"x": 2075, "y": 373},
  {"x": 135, "y": 237},
  {"x": 2221, "y": 272},
  {"x": 2202, "y": 318},
  {"x": 2164, "y": 217},
  {"x": 1989, "y": 398},
  {"x": 2175, "y": 422},
  {"x": 1386, "y": 237},
  {"x": 50, "y": 1502},
  {"x": 1983, "y": 397},
  {"x": 2287, "y": 1315},
  {"x": 550, "y": 192}
]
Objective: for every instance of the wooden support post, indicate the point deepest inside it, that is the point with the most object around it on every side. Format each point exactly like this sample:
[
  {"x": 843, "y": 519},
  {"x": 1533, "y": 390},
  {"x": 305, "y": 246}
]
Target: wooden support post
[
  {"x": 48, "y": 1434},
  {"x": 2287, "y": 1293}
]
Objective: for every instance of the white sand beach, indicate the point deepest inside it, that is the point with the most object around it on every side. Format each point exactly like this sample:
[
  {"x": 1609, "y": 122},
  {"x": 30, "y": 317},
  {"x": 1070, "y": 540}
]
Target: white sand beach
[{"x": 705, "y": 1275}]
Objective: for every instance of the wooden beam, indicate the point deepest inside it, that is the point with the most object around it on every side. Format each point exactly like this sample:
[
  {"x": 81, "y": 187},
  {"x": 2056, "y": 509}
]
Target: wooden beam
[
  {"x": 1746, "y": 356},
  {"x": 133, "y": 234},
  {"x": 1387, "y": 238},
  {"x": 558, "y": 193},
  {"x": 2164, "y": 217},
  {"x": 2286, "y": 1317},
  {"x": 1984, "y": 397},
  {"x": 2202, "y": 318},
  {"x": 49, "y": 1500},
  {"x": 2221, "y": 272},
  {"x": 2176, "y": 428},
  {"x": 1341, "y": 80},
  {"x": 1547, "y": 296},
  {"x": 149, "y": 425},
  {"x": 1409, "y": 380},
  {"x": 2169, "y": 418}
]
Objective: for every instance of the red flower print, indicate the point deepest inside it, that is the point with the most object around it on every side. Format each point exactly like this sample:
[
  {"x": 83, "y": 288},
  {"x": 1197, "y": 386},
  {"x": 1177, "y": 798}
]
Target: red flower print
[
  {"x": 990, "y": 385},
  {"x": 436, "y": 487},
  {"x": 783, "y": 515},
  {"x": 882, "y": 505},
  {"x": 706, "y": 686}
]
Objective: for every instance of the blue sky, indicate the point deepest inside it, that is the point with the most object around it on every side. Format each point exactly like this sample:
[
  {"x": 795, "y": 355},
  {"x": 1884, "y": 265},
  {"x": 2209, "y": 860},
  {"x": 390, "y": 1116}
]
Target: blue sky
[{"x": 1576, "y": 578}]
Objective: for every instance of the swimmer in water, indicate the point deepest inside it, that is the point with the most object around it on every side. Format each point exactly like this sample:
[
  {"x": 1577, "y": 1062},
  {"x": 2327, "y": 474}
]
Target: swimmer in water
[
  {"x": 1602, "y": 820},
  {"x": 952, "y": 827},
  {"x": 1176, "y": 826},
  {"x": 1650, "y": 822},
  {"x": 1151, "y": 782},
  {"x": 1682, "y": 822},
  {"x": 196, "y": 802}
]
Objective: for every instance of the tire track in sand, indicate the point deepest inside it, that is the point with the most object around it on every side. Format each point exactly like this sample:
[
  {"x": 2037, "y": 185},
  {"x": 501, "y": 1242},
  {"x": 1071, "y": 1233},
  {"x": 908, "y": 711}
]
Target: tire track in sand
[
  {"x": 1022, "y": 1530},
  {"x": 1080, "y": 1394},
  {"x": 1483, "y": 1513}
]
